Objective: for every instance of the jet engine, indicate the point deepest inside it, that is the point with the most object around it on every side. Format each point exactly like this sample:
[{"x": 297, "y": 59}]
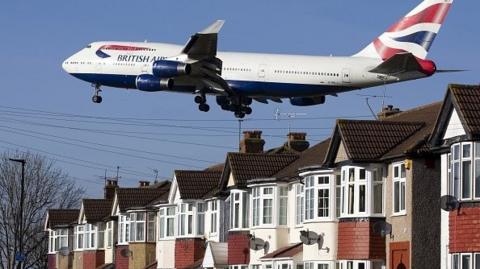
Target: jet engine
[
  {"x": 149, "y": 83},
  {"x": 169, "y": 69},
  {"x": 307, "y": 101}
]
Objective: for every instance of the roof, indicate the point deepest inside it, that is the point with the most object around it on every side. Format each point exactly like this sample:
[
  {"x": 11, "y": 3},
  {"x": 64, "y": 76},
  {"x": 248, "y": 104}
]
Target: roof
[
  {"x": 96, "y": 210},
  {"x": 62, "y": 217},
  {"x": 313, "y": 156},
  {"x": 376, "y": 140},
  {"x": 285, "y": 252},
  {"x": 246, "y": 166},
  {"x": 196, "y": 184},
  {"x": 129, "y": 198}
]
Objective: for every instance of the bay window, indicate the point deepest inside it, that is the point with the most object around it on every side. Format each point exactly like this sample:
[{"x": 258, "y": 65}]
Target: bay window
[
  {"x": 239, "y": 209},
  {"x": 299, "y": 204},
  {"x": 213, "y": 206},
  {"x": 318, "y": 197},
  {"x": 137, "y": 227},
  {"x": 123, "y": 229},
  {"x": 185, "y": 219},
  {"x": 90, "y": 236},
  {"x": 269, "y": 205},
  {"x": 283, "y": 205},
  {"x": 361, "y": 191},
  {"x": 167, "y": 222},
  {"x": 464, "y": 171},
  {"x": 399, "y": 182}
]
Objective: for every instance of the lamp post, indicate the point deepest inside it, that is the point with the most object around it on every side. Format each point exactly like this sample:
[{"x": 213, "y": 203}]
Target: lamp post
[{"x": 22, "y": 191}]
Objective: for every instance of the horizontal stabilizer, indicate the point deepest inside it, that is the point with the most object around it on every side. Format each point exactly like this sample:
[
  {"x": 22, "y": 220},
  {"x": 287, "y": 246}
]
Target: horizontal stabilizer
[{"x": 397, "y": 64}]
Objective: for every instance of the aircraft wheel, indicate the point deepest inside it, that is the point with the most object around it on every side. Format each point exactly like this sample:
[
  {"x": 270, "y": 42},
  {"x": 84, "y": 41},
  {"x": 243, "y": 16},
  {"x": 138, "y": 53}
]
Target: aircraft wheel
[
  {"x": 239, "y": 114},
  {"x": 97, "y": 99},
  {"x": 199, "y": 99},
  {"x": 247, "y": 110},
  {"x": 204, "y": 107}
]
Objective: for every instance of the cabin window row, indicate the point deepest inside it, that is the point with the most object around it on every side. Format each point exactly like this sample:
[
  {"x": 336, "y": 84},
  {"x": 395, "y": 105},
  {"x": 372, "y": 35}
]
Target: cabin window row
[{"x": 307, "y": 73}]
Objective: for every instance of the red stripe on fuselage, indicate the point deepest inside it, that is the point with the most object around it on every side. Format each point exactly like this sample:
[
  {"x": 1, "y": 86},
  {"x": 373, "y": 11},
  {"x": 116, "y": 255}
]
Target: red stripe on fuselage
[
  {"x": 120, "y": 47},
  {"x": 433, "y": 14}
]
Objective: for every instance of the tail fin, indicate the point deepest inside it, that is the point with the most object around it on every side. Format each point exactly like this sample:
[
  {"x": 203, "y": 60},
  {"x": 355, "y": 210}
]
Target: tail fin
[{"x": 414, "y": 33}]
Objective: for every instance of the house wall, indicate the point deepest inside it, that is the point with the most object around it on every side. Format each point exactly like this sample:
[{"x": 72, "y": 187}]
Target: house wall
[
  {"x": 425, "y": 243},
  {"x": 166, "y": 253},
  {"x": 78, "y": 260},
  {"x": 401, "y": 225},
  {"x": 121, "y": 262},
  {"x": 454, "y": 127},
  {"x": 143, "y": 254},
  {"x": 341, "y": 154},
  {"x": 64, "y": 262},
  {"x": 188, "y": 251},
  {"x": 356, "y": 240},
  {"x": 464, "y": 226},
  {"x": 93, "y": 258},
  {"x": 276, "y": 238},
  {"x": 238, "y": 247},
  {"x": 312, "y": 252},
  {"x": 51, "y": 261}
]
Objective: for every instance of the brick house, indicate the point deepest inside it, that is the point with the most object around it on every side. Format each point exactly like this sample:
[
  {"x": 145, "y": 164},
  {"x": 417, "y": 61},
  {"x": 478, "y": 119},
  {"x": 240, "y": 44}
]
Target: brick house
[
  {"x": 385, "y": 174},
  {"x": 457, "y": 138},
  {"x": 136, "y": 224},
  {"x": 59, "y": 225}
]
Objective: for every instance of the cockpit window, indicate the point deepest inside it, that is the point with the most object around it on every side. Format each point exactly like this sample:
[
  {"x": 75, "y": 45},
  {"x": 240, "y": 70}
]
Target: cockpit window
[{"x": 89, "y": 46}]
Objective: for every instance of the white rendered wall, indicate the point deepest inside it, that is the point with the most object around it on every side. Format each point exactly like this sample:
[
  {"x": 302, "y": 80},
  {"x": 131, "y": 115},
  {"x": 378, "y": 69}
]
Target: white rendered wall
[
  {"x": 455, "y": 127},
  {"x": 166, "y": 254}
]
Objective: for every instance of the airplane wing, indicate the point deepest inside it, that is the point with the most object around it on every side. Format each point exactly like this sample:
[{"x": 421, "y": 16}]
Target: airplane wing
[
  {"x": 203, "y": 45},
  {"x": 397, "y": 64}
]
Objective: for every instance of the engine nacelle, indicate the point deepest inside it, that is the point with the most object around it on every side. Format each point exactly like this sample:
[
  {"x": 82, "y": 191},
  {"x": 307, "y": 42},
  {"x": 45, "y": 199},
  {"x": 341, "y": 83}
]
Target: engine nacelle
[
  {"x": 169, "y": 69},
  {"x": 307, "y": 101},
  {"x": 428, "y": 67},
  {"x": 149, "y": 83}
]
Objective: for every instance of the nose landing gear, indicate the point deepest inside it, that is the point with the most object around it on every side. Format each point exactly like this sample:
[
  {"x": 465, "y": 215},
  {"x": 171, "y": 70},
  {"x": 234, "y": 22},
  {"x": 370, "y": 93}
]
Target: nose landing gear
[{"x": 96, "y": 98}]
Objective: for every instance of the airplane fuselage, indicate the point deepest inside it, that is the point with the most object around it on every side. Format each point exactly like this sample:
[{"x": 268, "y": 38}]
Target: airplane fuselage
[{"x": 118, "y": 64}]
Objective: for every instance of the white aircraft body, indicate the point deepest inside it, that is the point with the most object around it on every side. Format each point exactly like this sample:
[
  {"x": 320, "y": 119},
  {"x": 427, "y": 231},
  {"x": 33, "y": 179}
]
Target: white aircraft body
[{"x": 236, "y": 79}]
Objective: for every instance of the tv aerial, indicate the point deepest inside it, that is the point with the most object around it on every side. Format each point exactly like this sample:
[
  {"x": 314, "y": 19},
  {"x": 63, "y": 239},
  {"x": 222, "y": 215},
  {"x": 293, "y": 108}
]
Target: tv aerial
[
  {"x": 288, "y": 115},
  {"x": 258, "y": 243},
  {"x": 310, "y": 238},
  {"x": 382, "y": 228},
  {"x": 449, "y": 203},
  {"x": 64, "y": 251},
  {"x": 126, "y": 252}
]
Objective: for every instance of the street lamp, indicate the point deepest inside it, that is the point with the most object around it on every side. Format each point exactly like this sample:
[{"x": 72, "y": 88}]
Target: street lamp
[{"x": 22, "y": 191}]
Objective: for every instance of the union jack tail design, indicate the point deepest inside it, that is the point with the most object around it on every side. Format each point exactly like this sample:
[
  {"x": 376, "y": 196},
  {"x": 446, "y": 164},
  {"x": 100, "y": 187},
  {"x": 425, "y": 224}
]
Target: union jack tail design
[{"x": 414, "y": 33}]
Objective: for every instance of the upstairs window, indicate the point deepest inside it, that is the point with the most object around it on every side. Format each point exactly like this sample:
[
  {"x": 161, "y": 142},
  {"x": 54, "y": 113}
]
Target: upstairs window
[
  {"x": 299, "y": 204},
  {"x": 137, "y": 227},
  {"x": 267, "y": 206},
  {"x": 282, "y": 205},
  {"x": 239, "y": 209},
  {"x": 109, "y": 232},
  {"x": 200, "y": 218},
  {"x": 464, "y": 171},
  {"x": 185, "y": 219},
  {"x": 318, "y": 190},
  {"x": 151, "y": 216},
  {"x": 399, "y": 182},
  {"x": 213, "y": 208},
  {"x": 167, "y": 222},
  {"x": 123, "y": 229},
  {"x": 80, "y": 233}
]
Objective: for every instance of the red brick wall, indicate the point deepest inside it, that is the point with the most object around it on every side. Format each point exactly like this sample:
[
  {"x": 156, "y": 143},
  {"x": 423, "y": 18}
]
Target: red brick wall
[
  {"x": 356, "y": 240},
  {"x": 120, "y": 261},
  {"x": 52, "y": 264},
  {"x": 93, "y": 258},
  {"x": 464, "y": 228},
  {"x": 238, "y": 248},
  {"x": 188, "y": 251}
]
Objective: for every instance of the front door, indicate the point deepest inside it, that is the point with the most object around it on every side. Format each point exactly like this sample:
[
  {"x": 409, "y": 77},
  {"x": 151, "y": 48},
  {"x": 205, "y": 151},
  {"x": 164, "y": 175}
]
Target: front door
[
  {"x": 400, "y": 255},
  {"x": 346, "y": 75}
]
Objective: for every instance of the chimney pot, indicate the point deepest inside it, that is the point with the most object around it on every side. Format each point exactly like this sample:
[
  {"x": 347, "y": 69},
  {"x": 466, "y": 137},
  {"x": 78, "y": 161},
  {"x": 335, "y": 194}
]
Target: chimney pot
[
  {"x": 109, "y": 189},
  {"x": 144, "y": 183},
  {"x": 252, "y": 142},
  {"x": 387, "y": 112},
  {"x": 297, "y": 141}
]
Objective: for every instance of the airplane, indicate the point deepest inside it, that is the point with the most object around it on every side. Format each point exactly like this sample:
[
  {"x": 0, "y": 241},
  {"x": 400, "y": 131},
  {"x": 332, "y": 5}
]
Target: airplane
[{"x": 236, "y": 78}]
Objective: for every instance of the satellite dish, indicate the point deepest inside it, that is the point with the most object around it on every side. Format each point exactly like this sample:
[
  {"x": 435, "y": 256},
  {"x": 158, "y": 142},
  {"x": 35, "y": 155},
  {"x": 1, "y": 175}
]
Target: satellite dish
[
  {"x": 309, "y": 238},
  {"x": 449, "y": 203},
  {"x": 257, "y": 243},
  {"x": 64, "y": 251},
  {"x": 382, "y": 228},
  {"x": 126, "y": 252}
]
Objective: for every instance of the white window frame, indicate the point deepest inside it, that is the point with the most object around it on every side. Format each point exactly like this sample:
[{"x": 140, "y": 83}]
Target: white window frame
[
  {"x": 380, "y": 175},
  {"x": 151, "y": 220},
  {"x": 123, "y": 229},
  {"x": 474, "y": 260},
  {"x": 213, "y": 217},
  {"x": 283, "y": 205},
  {"x": 138, "y": 226},
  {"x": 309, "y": 190},
  {"x": 343, "y": 264},
  {"x": 186, "y": 225},
  {"x": 322, "y": 186},
  {"x": 109, "y": 232},
  {"x": 167, "y": 216},
  {"x": 401, "y": 180},
  {"x": 239, "y": 220},
  {"x": 256, "y": 206},
  {"x": 317, "y": 265},
  {"x": 299, "y": 204},
  {"x": 200, "y": 220},
  {"x": 456, "y": 178},
  {"x": 51, "y": 241},
  {"x": 79, "y": 237},
  {"x": 266, "y": 195}
]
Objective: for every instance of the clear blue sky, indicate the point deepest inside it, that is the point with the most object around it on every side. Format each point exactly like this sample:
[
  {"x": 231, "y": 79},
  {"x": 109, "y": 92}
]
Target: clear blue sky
[{"x": 38, "y": 35}]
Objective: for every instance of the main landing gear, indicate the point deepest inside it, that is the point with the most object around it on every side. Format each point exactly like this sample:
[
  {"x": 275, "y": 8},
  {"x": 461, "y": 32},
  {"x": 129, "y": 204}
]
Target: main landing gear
[
  {"x": 240, "y": 106},
  {"x": 96, "y": 98},
  {"x": 201, "y": 100}
]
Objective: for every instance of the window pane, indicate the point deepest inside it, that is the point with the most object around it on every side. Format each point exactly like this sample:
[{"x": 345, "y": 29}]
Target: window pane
[
  {"x": 245, "y": 207},
  {"x": 361, "y": 198},
  {"x": 267, "y": 211},
  {"x": 455, "y": 262},
  {"x": 477, "y": 151},
  {"x": 403, "y": 171},
  {"x": 466, "y": 151},
  {"x": 351, "y": 198},
  {"x": 477, "y": 261},
  {"x": 283, "y": 211},
  {"x": 190, "y": 224},
  {"x": 456, "y": 152},
  {"x": 323, "y": 180},
  {"x": 162, "y": 227},
  {"x": 477, "y": 179},
  {"x": 396, "y": 197},
  {"x": 338, "y": 201},
  {"x": 378, "y": 198},
  {"x": 466, "y": 261},
  {"x": 361, "y": 265},
  {"x": 456, "y": 180},
  {"x": 170, "y": 226},
  {"x": 351, "y": 174},
  {"x": 323, "y": 198},
  {"x": 402, "y": 196},
  {"x": 466, "y": 179},
  {"x": 362, "y": 175}
]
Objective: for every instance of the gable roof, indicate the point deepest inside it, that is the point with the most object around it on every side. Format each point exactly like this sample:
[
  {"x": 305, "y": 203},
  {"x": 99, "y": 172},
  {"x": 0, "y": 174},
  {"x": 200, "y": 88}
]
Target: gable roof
[
  {"x": 465, "y": 99},
  {"x": 96, "y": 210},
  {"x": 196, "y": 184},
  {"x": 314, "y": 156},
  {"x": 246, "y": 166},
  {"x": 61, "y": 217},
  {"x": 285, "y": 252},
  {"x": 376, "y": 140},
  {"x": 130, "y": 198}
]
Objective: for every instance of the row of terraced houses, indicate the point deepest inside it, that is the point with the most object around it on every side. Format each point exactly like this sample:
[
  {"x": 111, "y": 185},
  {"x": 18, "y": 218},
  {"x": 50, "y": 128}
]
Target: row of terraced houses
[{"x": 368, "y": 197}]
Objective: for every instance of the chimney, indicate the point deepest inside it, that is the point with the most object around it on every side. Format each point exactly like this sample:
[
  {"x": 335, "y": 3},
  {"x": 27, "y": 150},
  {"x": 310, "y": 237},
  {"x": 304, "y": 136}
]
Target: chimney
[
  {"x": 387, "y": 112},
  {"x": 110, "y": 187},
  {"x": 297, "y": 141},
  {"x": 143, "y": 183},
  {"x": 252, "y": 142}
]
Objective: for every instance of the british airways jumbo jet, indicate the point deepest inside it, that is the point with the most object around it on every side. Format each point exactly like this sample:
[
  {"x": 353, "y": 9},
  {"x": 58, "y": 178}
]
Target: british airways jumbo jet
[{"x": 236, "y": 79}]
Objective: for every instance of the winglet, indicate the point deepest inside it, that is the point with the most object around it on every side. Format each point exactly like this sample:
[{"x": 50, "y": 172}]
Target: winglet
[{"x": 214, "y": 28}]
